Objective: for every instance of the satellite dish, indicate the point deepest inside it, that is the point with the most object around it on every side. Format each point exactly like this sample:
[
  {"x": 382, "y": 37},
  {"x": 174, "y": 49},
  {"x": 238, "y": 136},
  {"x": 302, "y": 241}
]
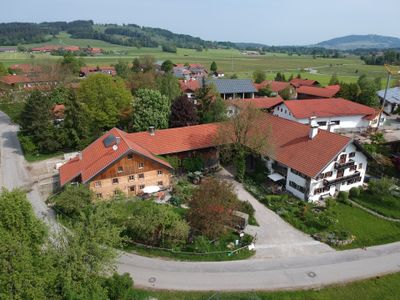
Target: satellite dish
[{"x": 115, "y": 147}]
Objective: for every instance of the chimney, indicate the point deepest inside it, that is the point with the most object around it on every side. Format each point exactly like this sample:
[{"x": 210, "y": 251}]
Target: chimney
[
  {"x": 117, "y": 140},
  {"x": 152, "y": 130},
  {"x": 313, "y": 128}
]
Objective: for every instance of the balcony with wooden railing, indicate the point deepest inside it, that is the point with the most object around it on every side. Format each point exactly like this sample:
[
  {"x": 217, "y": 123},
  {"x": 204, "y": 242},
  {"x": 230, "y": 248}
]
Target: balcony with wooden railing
[
  {"x": 341, "y": 179},
  {"x": 343, "y": 166}
]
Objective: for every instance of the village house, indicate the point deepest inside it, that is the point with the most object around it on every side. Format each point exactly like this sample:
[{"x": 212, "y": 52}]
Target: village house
[
  {"x": 392, "y": 100},
  {"x": 234, "y": 88},
  {"x": 86, "y": 71},
  {"x": 309, "y": 162},
  {"x": 26, "y": 83},
  {"x": 334, "y": 114},
  {"x": 312, "y": 92},
  {"x": 276, "y": 87},
  {"x": 266, "y": 104},
  {"x": 189, "y": 88},
  {"x": 190, "y": 71},
  {"x": 129, "y": 163}
]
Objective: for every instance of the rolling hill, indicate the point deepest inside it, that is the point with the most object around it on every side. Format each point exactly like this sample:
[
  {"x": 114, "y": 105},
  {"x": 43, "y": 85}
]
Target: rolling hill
[{"x": 368, "y": 41}]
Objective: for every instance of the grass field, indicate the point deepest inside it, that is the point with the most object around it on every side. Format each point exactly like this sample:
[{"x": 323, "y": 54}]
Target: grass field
[
  {"x": 385, "y": 288},
  {"x": 385, "y": 205},
  {"x": 230, "y": 61}
]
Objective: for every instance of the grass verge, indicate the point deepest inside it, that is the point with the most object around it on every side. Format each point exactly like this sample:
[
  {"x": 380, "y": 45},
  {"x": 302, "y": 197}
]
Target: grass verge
[{"x": 385, "y": 287}]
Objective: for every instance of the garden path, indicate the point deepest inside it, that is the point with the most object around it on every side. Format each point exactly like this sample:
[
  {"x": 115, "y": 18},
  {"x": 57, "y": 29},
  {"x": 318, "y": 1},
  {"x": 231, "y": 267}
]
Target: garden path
[{"x": 274, "y": 237}]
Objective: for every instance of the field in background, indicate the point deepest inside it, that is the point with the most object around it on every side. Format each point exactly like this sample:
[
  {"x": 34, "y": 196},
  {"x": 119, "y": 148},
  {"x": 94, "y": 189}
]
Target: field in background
[{"x": 230, "y": 61}]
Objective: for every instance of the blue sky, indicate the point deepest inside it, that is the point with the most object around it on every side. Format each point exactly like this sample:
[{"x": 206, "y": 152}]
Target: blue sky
[{"x": 273, "y": 22}]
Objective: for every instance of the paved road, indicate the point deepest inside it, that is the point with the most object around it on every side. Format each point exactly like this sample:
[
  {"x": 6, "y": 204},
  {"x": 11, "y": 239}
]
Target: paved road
[
  {"x": 275, "y": 237},
  {"x": 13, "y": 173},
  {"x": 263, "y": 274}
]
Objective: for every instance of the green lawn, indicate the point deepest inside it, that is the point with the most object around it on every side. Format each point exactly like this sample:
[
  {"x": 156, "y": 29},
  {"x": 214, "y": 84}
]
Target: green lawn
[
  {"x": 385, "y": 288},
  {"x": 12, "y": 109},
  {"x": 385, "y": 205},
  {"x": 368, "y": 229}
]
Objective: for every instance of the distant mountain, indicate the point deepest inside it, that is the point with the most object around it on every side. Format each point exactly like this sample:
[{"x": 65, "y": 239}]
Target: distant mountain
[{"x": 361, "y": 42}]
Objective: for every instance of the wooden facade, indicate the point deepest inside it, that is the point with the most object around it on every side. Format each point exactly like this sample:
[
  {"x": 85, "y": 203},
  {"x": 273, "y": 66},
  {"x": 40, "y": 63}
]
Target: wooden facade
[{"x": 130, "y": 175}]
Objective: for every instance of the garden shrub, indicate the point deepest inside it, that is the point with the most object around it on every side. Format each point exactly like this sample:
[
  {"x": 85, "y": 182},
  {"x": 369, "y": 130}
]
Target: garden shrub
[
  {"x": 27, "y": 144},
  {"x": 72, "y": 200},
  {"x": 354, "y": 192},
  {"x": 343, "y": 197},
  {"x": 380, "y": 187}
]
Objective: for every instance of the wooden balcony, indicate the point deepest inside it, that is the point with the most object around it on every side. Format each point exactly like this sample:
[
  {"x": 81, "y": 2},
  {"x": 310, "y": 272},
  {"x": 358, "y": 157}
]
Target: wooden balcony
[
  {"x": 343, "y": 166},
  {"x": 341, "y": 179}
]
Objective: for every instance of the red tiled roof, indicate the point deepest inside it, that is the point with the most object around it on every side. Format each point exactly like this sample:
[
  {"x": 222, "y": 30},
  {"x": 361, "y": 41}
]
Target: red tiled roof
[
  {"x": 260, "y": 103},
  {"x": 290, "y": 142},
  {"x": 12, "y": 79},
  {"x": 292, "y": 146},
  {"x": 275, "y": 86},
  {"x": 58, "y": 110},
  {"x": 334, "y": 107},
  {"x": 72, "y": 48},
  {"x": 96, "y": 157},
  {"x": 189, "y": 85},
  {"x": 176, "y": 140},
  {"x": 297, "y": 82},
  {"x": 26, "y": 68},
  {"x": 327, "y": 92}
]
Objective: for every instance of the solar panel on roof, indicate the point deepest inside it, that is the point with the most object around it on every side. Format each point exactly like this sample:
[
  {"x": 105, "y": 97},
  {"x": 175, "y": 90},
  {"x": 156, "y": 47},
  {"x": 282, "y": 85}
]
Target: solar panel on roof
[{"x": 109, "y": 141}]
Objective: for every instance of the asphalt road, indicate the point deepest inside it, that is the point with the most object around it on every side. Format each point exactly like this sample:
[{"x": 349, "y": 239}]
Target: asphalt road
[{"x": 254, "y": 274}]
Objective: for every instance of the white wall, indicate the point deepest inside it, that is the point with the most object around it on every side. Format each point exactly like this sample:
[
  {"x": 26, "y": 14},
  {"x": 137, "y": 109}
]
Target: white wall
[
  {"x": 359, "y": 158},
  {"x": 298, "y": 180},
  {"x": 346, "y": 122}
]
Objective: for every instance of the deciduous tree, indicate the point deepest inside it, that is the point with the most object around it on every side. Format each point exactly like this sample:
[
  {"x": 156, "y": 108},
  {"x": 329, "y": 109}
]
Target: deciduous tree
[
  {"x": 150, "y": 108},
  {"x": 183, "y": 113},
  {"x": 105, "y": 98},
  {"x": 211, "y": 208},
  {"x": 259, "y": 76},
  {"x": 244, "y": 135}
]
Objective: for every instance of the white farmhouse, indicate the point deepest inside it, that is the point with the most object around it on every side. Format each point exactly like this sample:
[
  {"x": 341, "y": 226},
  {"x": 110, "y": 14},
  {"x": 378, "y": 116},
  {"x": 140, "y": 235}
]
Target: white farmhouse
[
  {"x": 312, "y": 163},
  {"x": 335, "y": 114}
]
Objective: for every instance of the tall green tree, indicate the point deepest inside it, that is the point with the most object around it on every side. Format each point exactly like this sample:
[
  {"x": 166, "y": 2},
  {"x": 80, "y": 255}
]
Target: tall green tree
[
  {"x": 122, "y": 69},
  {"x": 259, "y": 76},
  {"x": 167, "y": 66},
  {"x": 280, "y": 77},
  {"x": 105, "y": 98},
  {"x": 71, "y": 63},
  {"x": 216, "y": 111},
  {"x": 77, "y": 124},
  {"x": 213, "y": 67},
  {"x": 183, "y": 113},
  {"x": 168, "y": 85},
  {"x": 150, "y": 108},
  {"x": 37, "y": 122}
]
